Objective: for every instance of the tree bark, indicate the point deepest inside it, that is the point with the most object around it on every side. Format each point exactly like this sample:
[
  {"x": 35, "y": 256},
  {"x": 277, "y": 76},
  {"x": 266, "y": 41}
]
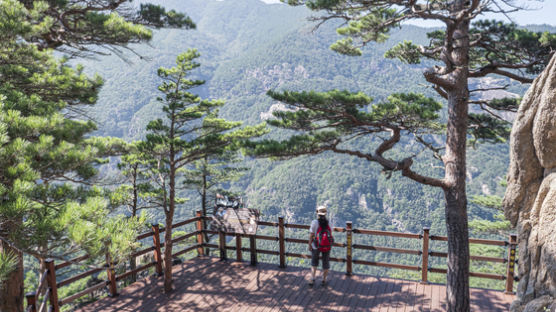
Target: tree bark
[
  {"x": 204, "y": 203},
  {"x": 168, "y": 231},
  {"x": 168, "y": 253},
  {"x": 457, "y": 290},
  {"x": 11, "y": 291},
  {"x": 133, "y": 260}
]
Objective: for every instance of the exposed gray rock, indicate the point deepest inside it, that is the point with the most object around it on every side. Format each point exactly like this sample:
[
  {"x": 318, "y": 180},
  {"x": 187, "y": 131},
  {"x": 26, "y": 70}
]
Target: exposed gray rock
[
  {"x": 530, "y": 199},
  {"x": 542, "y": 304}
]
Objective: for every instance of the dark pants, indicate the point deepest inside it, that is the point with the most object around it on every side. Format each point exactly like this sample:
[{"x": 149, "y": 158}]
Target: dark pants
[{"x": 325, "y": 258}]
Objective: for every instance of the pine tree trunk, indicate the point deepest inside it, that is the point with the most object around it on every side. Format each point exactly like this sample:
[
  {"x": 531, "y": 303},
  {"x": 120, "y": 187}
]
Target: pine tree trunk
[
  {"x": 11, "y": 291},
  {"x": 456, "y": 49},
  {"x": 133, "y": 260},
  {"x": 457, "y": 291},
  {"x": 168, "y": 232},
  {"x": 168, "y": 254},
  {"x": 456, "y": 202},
  {"x": 133, "y": 266},
  {"x": 204, "y": 207}
]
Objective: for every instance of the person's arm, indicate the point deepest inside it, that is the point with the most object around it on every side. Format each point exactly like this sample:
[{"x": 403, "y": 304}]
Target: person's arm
[{"x": 311, "y": 237}]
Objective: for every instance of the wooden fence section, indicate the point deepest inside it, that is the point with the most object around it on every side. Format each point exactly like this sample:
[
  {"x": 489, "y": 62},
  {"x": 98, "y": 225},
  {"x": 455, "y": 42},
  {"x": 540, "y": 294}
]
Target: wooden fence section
[{"x": 48, "y": 285}]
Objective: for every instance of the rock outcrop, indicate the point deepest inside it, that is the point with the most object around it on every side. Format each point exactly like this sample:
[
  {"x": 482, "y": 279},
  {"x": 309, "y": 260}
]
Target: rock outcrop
[{"x": 530, "y": 199}]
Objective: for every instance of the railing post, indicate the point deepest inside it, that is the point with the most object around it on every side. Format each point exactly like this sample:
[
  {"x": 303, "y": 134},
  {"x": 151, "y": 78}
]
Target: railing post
[
  {"x": 239, "y": 256},
  {"x": 157, "y": 252},
  {"x": 281, "y": 240},
  {"x": 425, "y": 256},
  {"x": 112, "y": 287},
  {"x": 222, "y": 245},
  {"x": 31, "y": 301},
  {"x": 511, "y": 264},
  {"x": 253, "y": 249},
  {"x": 349, "y": 248},
  {"x": 200, "y": 229},
  {"x": 51, "y": 280}
]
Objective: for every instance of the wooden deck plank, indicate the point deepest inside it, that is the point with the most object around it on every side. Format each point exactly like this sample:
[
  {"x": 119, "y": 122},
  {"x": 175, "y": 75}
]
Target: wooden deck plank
[
  {"x": 419, "y": 298},
  {"x": 253, "y": 275},
  {"x": 364, "y": 291},
  {"x": 412, "y": 291},
  {"x": 206, "y": 284},
  {"x": 385, "y": 298},
  {"x": 287, "y": 292},
  {"x": 252, "y": 295},
  {"x": 371, "y": 297},
  {"x": 403, "y": 297},
  {"x": 336, "y": 292},
  {"x": 435, "y": 298}
]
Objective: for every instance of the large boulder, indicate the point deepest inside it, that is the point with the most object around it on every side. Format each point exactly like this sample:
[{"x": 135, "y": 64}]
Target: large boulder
[{"x": 530, "y": 199}]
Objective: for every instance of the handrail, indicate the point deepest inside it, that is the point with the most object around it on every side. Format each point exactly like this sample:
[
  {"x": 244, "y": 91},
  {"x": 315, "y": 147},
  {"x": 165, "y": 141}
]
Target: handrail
[
  {"x": 425, "y": 253},
  {"x": 48, "y": 279},
  {"x": 50, "y": 284}
]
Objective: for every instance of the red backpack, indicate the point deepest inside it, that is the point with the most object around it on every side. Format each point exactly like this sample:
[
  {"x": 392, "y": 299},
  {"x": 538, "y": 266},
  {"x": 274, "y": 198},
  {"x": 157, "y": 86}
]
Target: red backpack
[{"x": 324, "y": 239}]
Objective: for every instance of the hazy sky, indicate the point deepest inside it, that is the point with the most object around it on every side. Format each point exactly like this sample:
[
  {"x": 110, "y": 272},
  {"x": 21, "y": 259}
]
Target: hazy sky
[{"x": 544, "y": 13}]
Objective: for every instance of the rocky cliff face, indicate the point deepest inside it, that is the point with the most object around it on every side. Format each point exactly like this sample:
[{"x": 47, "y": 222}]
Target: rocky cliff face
[{"x": 530, "y": 200}]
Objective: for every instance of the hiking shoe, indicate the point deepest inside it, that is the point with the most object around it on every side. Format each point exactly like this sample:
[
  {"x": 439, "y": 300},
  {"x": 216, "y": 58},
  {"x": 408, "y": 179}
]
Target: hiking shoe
[
  {"x": 324, "y": 283},
  {"x": 312, "y": 282}
]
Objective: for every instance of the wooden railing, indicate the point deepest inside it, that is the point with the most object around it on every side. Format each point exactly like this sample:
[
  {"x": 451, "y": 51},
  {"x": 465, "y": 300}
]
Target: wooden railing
[
  {"x": 48, "y": 285},
  {"x": 48, "y": 281}
]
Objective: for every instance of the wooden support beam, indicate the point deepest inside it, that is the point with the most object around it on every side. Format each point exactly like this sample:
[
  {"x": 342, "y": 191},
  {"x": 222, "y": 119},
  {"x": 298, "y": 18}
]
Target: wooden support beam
[
  {"x": 200, "y": 228},
  {"x": 281, "y": 236},
  {"x": 53, "y": 288},
  {"x": 239, "y": 256},
  {"x": 222, "y": 245},
  {"x": 31, "y": 301},
  {"x": 253, "y": 249},
  {"x": 511, "y": 264},
  {"x": 425, "y": 256},
  {"x": 349, "y": 247}
]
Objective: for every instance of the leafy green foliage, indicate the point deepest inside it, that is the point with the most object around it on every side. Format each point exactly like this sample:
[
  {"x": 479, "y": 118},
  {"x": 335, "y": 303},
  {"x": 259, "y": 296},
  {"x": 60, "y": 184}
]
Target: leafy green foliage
[
  {"x": 209, "y": 175},
  {"x": 8, "y": 264},
  {"x": 98, "y": 232},
  {"x": 499, "y": 225},
  {"x": 486, "y": 128},
  {"x": 501, "y": 43},
  {"x": 75, "y": 26},
  {"x": 48, "y": 158},
  {"x": 405, "y": 51},
  {"x": 331, "y": 118},
  {"x": 190, "y": 131},
  {"x": 157, "y": 16}
]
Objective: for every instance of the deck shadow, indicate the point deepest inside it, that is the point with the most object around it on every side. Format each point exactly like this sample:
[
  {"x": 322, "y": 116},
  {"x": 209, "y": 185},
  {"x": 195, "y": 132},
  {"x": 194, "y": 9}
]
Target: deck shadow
[{"x": 203, "y": 284}]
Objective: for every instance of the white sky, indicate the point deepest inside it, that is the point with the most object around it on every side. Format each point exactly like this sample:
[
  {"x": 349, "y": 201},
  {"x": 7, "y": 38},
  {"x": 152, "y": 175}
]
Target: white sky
[{"x": 541, "y": 12}]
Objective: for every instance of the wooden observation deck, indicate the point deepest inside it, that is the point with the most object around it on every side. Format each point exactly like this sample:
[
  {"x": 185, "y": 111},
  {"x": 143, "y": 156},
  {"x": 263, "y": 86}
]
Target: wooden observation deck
[
  {"x": 218, "y": 284},
  {"x": 207, "y": 284}
]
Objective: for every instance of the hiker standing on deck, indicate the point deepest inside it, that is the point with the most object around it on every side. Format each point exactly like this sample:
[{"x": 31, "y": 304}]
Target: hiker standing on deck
[{"x": 320, "y": 243}]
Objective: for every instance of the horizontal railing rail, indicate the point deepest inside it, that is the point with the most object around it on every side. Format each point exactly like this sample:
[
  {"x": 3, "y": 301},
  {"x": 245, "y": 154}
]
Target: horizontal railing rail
[
  {"x": 47, "y": 288},
  {"x": 425, "y": 253}
]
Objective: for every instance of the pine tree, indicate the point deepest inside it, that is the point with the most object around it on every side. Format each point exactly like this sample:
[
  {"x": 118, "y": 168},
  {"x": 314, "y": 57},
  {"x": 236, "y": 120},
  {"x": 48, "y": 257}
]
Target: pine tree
[
  {"x": 88, "y": 27},
  {"x": 208, "y": 175},
  {"x": 133, "y": 192},
  {"x": 47, "y": 160},
  {"x": 190, "y": 131},
  {"x": 460, "y": 52}
]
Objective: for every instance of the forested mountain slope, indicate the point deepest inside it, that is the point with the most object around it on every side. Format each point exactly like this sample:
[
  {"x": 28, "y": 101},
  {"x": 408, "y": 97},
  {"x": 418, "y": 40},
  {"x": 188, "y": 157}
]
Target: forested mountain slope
[{"x": 247, "y": 48}]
